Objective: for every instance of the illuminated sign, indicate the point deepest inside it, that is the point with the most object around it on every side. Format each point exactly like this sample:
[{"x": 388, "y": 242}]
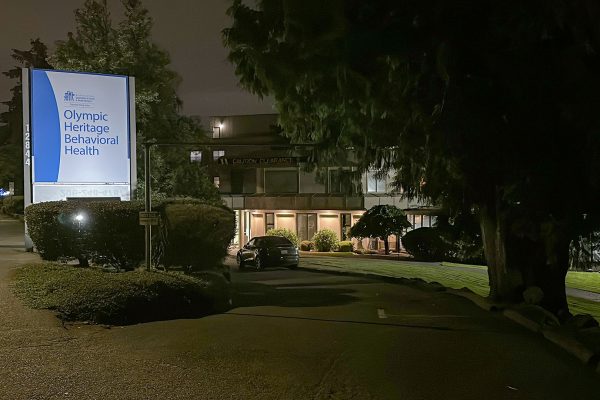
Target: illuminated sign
[{"x": 81, "y": 135}]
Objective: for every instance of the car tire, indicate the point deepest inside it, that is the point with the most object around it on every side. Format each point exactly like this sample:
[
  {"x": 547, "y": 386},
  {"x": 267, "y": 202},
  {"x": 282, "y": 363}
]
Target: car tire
[
  {"x": 241, "y": 263},
  {"x": 295, "y": 266},
  {"x": 258, "y": 263}
]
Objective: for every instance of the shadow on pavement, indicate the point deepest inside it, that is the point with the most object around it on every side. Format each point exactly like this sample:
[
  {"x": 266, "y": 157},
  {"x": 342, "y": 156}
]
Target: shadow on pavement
[{"x": 250, "y": 294}]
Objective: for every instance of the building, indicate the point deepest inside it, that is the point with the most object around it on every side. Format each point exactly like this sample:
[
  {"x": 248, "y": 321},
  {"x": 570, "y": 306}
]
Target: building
[{"x": 264, "y": 182}]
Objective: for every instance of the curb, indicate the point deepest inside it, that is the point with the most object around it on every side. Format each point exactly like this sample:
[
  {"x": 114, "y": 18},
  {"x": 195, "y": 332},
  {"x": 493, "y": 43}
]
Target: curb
[
  {"x": 572, "y": 346},
  {"x": 522, "y": 320},
  {"x": 553, "y": 335}
]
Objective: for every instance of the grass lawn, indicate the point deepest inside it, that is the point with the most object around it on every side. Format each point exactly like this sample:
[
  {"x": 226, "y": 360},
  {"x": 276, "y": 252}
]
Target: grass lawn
[
  {"x": 458, "y": 276},
  {"x": 94, "y": 295}
]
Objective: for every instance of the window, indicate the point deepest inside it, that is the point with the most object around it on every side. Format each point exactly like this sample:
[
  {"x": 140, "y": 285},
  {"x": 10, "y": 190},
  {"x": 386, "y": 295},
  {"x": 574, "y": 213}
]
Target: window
[
  {"x": 281, "y": 181},
  {"x": 375, "y": 184},
  {"x": 218, "y": 154},
  {"x": 216, "y": 181},
  {"x": 345, "y": 225},
  {"x": 427, "y": 221},
  {"x": 276, "y": 241},
  {"x": 269, "y": 221},
  {"x": 237, "y": 182},
  {"x": 195, "y": 156},
  {"x": 341, "y": 181},
  {"x": 306, "y": 225}
]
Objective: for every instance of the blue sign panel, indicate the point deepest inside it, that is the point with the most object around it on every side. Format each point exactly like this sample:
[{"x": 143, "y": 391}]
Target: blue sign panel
[{"x": 80, "y": 128}]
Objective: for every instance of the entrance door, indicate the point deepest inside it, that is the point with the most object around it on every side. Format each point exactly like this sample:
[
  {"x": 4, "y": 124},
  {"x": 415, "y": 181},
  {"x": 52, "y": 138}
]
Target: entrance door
[{"x": 306, "y": 225}]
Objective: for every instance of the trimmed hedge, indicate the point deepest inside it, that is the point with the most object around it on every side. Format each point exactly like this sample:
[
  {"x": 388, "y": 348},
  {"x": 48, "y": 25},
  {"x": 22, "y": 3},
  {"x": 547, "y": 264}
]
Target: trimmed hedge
[
  {"x": 345, "y": 246},
  {"x": 109, "y": 233},
  {"x": 90, "y": 294},
  {"x": 325, "y": 240},
  {"x": 193, "y": 234},
  {"x": 12, "y": 205},
  {"x": 426, "y": 244},
  {"x": 286, "y": 233}
]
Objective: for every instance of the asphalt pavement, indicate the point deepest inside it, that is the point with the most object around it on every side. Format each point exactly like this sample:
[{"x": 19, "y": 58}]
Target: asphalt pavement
[{"x": 290, "y": 335}]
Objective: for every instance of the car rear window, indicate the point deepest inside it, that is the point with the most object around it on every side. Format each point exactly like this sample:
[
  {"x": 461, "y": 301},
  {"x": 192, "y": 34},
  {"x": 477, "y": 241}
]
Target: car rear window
[{"x": 276, "y": 241}]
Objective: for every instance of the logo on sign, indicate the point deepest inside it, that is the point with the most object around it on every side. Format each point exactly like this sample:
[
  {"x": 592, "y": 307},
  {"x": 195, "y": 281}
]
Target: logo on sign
[{"x": 69, "y": 96}]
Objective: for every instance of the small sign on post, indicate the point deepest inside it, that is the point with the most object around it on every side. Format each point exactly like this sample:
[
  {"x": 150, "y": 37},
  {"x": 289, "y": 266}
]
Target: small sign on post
[
  {"x": 11, "y": 188},
  {"x": 148, "y": 217}
]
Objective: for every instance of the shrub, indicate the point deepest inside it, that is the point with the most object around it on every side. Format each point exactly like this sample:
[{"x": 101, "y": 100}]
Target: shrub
[
  {"x": 307, "y": 245},
  {"x": 90, "y": 294},
  {"x": 426, "y": 244},
  {"x": 286, "y": 233},
  {"x": 109, "y": 234},
  {"x": 193, "y": 234},
  {"x": 325, "y": 240},
  {"x": 12, "y": 205},
  {"x": 53, "y": 229},
  {"x": 345, "y": 246},
  {"x": 117, "y": 238}
]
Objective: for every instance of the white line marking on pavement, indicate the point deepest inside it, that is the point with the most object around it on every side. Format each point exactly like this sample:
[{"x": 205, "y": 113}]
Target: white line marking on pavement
[
  {"x": 427, "y": 316},
  {"x": 304, "y": 287},
  {"x": 381, "y": 313}
]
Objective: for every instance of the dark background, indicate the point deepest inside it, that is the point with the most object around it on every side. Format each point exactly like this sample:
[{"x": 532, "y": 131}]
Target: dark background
[{"x": 190, "y": 30}]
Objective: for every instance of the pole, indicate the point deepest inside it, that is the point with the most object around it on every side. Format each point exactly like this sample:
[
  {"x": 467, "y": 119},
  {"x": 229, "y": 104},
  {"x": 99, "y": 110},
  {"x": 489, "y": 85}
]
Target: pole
[{"x": 147, "y": 204}]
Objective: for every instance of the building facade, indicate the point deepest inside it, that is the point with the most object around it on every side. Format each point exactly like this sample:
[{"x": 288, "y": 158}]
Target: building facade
[{"x": 264, "y": 181}]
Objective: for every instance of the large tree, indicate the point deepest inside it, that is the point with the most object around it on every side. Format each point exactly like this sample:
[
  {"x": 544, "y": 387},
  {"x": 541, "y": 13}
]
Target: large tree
[
  {"x": 127, "y": 48},
  {"x": 479, "y": 105},
  {"x": 11, "y": 134}
]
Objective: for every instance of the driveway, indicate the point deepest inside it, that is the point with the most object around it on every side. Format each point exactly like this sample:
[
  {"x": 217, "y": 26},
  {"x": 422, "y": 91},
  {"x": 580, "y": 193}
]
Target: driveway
[{"x": 291, "y": 335}]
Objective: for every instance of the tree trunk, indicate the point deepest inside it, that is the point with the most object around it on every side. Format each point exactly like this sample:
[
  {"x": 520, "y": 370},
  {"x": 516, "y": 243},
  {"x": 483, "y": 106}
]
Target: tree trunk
[
  {"x": 506, "y": 282},
  {"x": 518, "y": 262},
  {"x": 386, "y": 244}
]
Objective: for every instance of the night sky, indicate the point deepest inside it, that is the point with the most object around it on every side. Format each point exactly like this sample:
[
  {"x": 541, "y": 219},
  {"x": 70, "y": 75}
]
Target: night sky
[{"x": 190, "y": 30}]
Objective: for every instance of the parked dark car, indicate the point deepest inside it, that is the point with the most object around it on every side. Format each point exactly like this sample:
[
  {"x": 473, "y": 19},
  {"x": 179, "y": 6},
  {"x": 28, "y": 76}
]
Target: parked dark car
[{"x": 268, "y": 251}]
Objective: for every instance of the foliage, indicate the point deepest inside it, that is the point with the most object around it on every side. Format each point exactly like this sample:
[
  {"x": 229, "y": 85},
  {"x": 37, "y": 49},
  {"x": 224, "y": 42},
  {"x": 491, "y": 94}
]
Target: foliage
[
  {"x": 463, "y": 237},
  {"x": 93, "y": 295},
  {"x": 585, "y": 252},
  {"x": 127, "y": 48},
  {"x": 325, "y": 240},
  {"x": 116, "y": 236},
  {"x": 193, "y": 234},
  {"x": 454, "y": 97},
  {"x": 307, "y": 245},
  {"x": 380, "y": 221},
  {"x": 448, "y": 243},
  {"x": 286, "y": 233},
  {"x": 11, "y": 205},
  {"x": 108, "y": 234},
  {"x": 345, "y": 246},
  {"x": 426, "y": 244},
  {"x": 11, "y": 134}
]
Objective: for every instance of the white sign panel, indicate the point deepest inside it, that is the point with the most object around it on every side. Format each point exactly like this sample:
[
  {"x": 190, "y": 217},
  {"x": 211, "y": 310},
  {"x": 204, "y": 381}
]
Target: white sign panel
[{"x": 80, "y": 134}]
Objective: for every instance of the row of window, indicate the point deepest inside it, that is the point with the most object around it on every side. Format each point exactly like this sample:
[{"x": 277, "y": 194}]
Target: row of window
[
  {"x": 287, "y": 181},
  {"x": 306, "y": 224}
]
